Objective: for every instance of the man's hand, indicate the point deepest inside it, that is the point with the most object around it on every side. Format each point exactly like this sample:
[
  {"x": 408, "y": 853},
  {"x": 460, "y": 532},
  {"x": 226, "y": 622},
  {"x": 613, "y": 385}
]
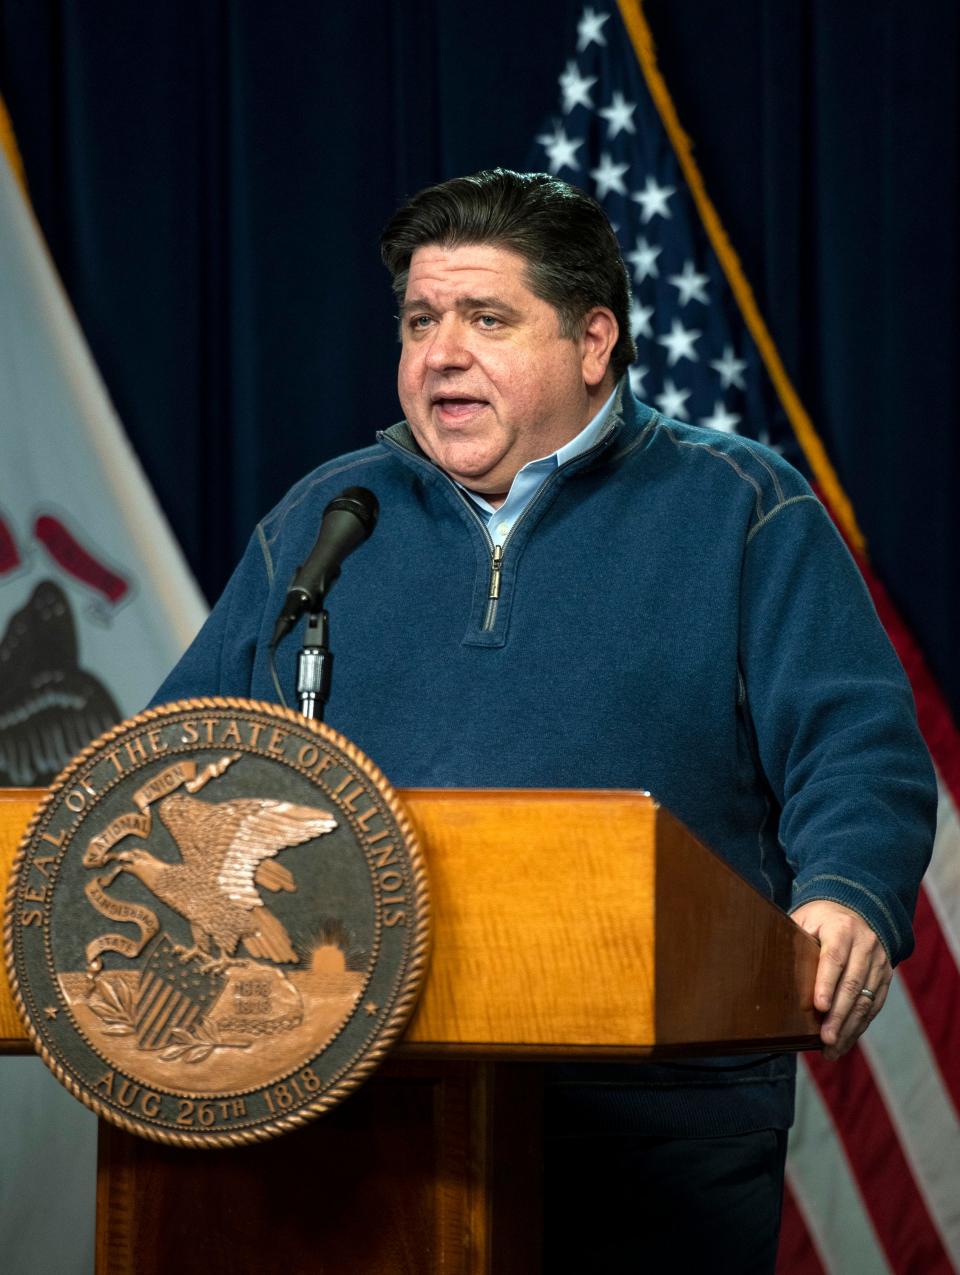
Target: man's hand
[{"x": 851, "y": 959}]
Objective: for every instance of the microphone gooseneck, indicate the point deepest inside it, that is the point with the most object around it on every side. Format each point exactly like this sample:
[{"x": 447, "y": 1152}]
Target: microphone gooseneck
[{"x": 347, "y": 521}]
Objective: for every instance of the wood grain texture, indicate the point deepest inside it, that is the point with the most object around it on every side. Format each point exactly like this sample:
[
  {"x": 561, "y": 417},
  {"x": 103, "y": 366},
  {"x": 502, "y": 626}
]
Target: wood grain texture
[
  {"x": 566, "y": 923},
  {"x": 394, "y": 1181},
  {"x": 731, "y": 969},
  {"x": 16, "y": 810},
  {"x": 575, "y": 922},
  {"x": 543, "y": 918}
]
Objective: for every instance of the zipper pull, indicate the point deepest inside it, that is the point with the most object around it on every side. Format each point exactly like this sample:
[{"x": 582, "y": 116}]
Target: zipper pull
[{"x": 495, "y": 566}]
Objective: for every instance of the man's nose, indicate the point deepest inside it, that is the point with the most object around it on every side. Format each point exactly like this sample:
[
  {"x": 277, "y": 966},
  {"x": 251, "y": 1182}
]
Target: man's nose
[{"x": 448, "y": 345}]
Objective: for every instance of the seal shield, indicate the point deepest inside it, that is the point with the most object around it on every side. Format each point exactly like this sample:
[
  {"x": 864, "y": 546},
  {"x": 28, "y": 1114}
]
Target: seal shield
[{"x": 217, "y": 922}]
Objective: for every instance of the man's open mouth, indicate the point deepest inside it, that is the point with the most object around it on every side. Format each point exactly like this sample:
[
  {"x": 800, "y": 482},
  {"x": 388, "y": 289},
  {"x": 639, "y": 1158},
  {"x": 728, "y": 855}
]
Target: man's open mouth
[{"x": 455, "y": 405}]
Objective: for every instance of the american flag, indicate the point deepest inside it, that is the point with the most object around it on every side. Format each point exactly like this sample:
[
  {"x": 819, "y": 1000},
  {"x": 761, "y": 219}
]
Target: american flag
[{"x": 873, "y": 1172}]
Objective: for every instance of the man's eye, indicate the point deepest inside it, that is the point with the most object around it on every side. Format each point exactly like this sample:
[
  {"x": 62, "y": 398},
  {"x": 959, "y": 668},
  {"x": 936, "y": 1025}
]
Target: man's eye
[
  {"x": 420, "y": 321},
  {"x": 488, "y": 321}
]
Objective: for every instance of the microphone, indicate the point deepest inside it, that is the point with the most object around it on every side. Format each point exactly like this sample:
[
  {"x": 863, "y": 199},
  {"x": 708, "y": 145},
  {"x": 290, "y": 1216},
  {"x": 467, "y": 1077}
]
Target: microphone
[{"x": 347, "y": 521}]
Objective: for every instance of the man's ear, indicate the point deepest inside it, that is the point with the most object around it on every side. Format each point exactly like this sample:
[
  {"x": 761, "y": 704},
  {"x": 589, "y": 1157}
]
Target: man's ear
[{"x": 600, "y": 334}]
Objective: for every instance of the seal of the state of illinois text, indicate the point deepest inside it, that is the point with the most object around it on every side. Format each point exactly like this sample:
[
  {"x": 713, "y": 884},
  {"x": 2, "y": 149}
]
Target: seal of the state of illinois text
[{"x": 217, "y": 922}]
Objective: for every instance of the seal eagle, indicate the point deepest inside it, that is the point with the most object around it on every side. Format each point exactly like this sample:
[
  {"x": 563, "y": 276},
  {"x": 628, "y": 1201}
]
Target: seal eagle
[{"x": 227, "y": 850}]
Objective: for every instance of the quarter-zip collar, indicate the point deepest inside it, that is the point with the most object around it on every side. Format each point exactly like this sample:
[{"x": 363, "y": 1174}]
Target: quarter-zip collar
[
  {"x": 530, "y": 477},
  {"x": 623, "y": 428}
]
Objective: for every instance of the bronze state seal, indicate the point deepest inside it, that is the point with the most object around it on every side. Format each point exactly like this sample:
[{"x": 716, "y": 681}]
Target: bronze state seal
[{"x": 217, "y": 922}]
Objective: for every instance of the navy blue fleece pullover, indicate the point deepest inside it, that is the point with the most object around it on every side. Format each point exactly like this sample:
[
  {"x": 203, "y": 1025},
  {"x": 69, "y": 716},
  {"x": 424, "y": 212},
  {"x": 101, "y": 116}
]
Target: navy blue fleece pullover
[{"x": 675, "y": 613}]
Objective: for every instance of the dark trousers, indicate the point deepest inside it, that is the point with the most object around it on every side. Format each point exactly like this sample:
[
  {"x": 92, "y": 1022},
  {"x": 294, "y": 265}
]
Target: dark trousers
[{"x": 624, "y": 1204}]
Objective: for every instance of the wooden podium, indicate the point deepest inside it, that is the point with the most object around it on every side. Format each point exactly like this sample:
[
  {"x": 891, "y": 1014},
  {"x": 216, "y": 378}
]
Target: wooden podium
[{"x": 566, "y": 924}]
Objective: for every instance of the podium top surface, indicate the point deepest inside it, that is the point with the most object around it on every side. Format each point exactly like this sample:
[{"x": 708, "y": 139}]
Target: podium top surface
[{"x": 575, "y": 923}]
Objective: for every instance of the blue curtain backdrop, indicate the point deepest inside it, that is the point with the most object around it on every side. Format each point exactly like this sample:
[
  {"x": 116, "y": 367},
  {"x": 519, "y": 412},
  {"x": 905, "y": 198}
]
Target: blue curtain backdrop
[{"x": 212, "y": 178}]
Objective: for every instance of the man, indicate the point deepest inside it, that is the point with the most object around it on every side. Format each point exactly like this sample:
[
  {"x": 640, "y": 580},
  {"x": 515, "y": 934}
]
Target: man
[{"x": 567, "y": 590}]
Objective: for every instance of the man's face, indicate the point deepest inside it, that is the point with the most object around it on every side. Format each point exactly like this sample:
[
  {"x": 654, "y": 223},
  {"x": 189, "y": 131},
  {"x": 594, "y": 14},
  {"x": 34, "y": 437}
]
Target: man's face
[{"x": 486, "y": 381}]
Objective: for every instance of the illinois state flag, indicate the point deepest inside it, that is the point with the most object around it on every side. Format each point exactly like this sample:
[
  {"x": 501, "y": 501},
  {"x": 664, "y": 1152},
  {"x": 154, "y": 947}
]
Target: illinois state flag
[
  {"x": 96, "y": 602},
  {"x": 873, "y": 1171}
]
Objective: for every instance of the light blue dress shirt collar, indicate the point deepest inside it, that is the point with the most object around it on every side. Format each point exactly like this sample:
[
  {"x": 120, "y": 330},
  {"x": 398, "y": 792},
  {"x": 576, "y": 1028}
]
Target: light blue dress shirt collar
[{"x": 530, "y": 478}]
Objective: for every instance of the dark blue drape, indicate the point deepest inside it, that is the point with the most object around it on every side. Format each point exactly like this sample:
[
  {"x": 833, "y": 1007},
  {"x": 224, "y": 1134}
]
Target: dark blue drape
[{"x": 212, "y": 178}]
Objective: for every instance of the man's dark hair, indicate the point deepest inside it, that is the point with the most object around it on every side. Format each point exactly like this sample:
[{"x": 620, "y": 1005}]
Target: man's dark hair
[{"x": 572, "y": 255}]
